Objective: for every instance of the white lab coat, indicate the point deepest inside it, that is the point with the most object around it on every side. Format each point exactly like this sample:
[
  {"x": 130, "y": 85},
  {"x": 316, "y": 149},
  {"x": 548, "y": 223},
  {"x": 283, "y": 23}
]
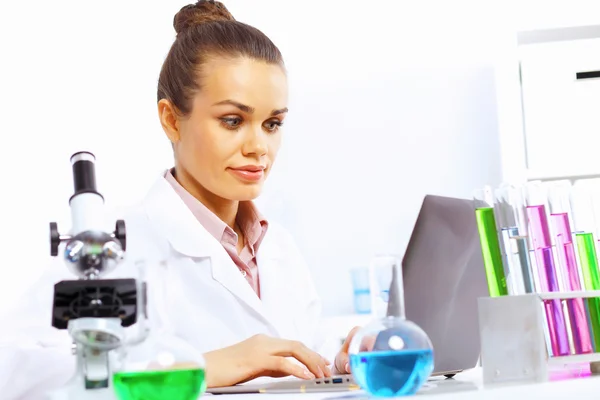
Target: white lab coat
[{"x": 195, "y": 293}]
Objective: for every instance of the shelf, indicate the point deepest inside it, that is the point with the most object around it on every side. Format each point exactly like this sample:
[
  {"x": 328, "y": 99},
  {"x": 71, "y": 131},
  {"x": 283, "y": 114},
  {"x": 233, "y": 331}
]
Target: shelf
[
  {"x": 574, "y": 359},
  {"x": 568, "y": 295},
  {"x": 549, "y": 175}
]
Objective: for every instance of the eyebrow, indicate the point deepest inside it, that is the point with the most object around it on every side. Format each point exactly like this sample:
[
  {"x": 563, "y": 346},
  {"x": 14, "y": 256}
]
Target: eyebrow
[
  {"x": 280, "y": 111},
  {"x": 248, "y": 109}
]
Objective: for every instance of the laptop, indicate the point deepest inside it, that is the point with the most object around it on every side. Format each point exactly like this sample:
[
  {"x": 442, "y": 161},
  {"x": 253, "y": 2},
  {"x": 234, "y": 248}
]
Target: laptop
[{"x": 443, "y": 278}]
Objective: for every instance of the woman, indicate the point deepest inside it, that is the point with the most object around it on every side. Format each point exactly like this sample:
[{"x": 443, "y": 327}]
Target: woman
[{"x": 221, "y": 277}]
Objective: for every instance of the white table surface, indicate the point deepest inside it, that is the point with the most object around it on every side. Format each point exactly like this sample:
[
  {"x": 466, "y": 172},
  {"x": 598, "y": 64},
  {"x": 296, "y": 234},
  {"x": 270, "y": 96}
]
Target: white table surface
[{"x": 465, "y": 386}]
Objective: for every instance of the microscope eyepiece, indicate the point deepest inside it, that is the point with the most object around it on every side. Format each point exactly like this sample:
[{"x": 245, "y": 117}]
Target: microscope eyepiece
[
  {"x": 84, "y": 173},
  {"x": 90, "y": 252}
]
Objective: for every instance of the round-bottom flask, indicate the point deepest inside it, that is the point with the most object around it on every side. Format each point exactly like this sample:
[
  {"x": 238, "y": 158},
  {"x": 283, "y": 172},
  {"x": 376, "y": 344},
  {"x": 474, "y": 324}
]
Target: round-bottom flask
[
  {"x": 160, "y": 369},
  {"x": 390, "y": 356}
]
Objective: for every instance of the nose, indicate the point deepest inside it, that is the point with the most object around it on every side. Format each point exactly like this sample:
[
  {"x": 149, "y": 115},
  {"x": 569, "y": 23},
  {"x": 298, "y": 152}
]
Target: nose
[{"x": 256, "y": 143}]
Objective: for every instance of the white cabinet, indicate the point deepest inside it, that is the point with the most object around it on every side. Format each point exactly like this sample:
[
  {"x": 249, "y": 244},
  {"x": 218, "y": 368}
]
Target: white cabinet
[{"x": 561, "y": 112}]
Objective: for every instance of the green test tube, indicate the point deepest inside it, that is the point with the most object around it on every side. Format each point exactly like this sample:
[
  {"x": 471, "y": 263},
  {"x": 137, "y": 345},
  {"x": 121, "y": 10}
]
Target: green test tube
[
  {"x": 490, "y": 248},
  {"x": 586, "y": 247}
]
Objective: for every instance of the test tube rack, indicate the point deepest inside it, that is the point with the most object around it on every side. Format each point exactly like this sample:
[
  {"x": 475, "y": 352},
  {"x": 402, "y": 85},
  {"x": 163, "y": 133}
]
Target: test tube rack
[{"x": 513, "y": 339}]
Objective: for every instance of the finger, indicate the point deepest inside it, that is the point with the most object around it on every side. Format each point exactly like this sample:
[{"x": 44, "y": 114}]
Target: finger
[
  {"x": 328, "y": 372},
  {"x": 279, "y": 366},
  {"x": 351, "y": 334},
  {"x": 312, "y": 360},
  {"x": 341, "y": 363},
  {"x": 368, "y": 343}
]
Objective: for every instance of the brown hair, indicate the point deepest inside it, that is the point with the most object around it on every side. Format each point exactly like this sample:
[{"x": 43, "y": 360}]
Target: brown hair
[{"x": 206, "y": 29}]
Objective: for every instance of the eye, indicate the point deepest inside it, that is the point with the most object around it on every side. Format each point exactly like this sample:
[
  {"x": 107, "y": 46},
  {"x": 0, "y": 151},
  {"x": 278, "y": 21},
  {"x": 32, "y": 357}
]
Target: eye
[
  {"x": 273, "y": 125},
  {"x": 231, "y": 122}
]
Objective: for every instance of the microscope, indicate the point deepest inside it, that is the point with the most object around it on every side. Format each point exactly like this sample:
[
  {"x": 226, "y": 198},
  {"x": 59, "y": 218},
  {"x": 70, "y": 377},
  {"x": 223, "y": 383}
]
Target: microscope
[{"x": 95, "y": 311}]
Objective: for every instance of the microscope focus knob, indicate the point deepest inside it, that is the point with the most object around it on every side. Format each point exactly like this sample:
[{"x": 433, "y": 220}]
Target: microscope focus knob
[
  {"x": 54, "y": 239},
  {"x": 120, "y": 233}
]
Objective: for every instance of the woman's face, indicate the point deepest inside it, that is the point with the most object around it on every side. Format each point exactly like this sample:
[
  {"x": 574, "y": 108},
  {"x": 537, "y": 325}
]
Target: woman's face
[{"x": 229, "y": 141}]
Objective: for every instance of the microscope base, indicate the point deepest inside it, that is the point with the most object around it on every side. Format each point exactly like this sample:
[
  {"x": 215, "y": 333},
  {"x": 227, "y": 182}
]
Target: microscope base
[{"x": 75, "y": 392}]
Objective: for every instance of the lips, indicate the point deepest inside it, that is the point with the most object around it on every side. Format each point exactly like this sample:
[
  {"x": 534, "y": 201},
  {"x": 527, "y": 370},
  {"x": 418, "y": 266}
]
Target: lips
[
  {"x": 248, "y": 173},
  {"x": 250, "y": 168}
]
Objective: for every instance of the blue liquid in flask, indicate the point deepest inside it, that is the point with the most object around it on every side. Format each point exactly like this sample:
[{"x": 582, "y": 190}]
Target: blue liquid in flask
[{"x": 392, "y": 373}]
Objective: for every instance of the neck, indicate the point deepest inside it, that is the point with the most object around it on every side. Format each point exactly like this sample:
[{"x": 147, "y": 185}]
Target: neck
[{"x": 225, "y": 209}]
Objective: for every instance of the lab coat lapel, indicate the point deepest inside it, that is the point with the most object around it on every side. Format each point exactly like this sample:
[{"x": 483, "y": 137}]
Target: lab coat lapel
[
  {"x": 273, "y": 286},
  {"x": 173, "y": 219},
  {"x": 227, "y": 274}
]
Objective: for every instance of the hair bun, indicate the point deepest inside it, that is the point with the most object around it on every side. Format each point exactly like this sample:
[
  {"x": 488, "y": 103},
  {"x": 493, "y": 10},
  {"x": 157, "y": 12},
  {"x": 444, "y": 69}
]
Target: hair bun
[{"x": 202, "y": 12}]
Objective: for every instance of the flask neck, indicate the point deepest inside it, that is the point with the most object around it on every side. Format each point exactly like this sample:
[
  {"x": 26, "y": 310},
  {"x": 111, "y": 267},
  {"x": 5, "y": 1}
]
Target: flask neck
[
  {"x": 395, "y": 306},
  {"x": 387, "y": 290}
]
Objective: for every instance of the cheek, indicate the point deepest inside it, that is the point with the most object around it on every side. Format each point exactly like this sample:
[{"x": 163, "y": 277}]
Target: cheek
[
  {"x": 199, "y": 146},
  {"x": 274, "y": 145}
]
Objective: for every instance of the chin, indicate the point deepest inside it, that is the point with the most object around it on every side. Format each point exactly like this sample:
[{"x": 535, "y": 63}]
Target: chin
[{"x": 247, "y": 193}]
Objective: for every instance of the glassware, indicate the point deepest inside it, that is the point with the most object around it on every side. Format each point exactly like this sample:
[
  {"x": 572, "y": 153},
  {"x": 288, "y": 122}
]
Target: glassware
[
  {"x": 560, "y": 219},
  {"x": 161, "y": 368},
  {"x": 490, "y": 244},
  {"x": 519, "y": 241},
  {"x": 154, "y": 364},
  {"x": 509, "y": 208},
  {"x": 548, "y": 278},
  {"x": 361, "y": 289},
  {"x": 390, "y": 356},
  {"x": 584, "y": 220}
]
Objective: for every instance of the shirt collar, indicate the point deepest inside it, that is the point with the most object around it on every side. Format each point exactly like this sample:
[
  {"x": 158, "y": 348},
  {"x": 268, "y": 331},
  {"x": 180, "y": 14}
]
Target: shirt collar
[{"x": 249, "y": 219}]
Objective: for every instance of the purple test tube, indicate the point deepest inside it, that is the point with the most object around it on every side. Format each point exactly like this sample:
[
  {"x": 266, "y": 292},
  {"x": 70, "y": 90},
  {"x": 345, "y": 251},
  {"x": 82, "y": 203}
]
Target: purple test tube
[
  {"x": 540, "y": 239},
  {"x": 556, "y": 318},
  {"x": 566, "y": 254},
  {"x": 542, "y": 245}
]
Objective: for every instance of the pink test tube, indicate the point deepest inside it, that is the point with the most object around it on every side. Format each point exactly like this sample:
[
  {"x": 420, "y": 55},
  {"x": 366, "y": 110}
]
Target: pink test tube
[
  {"x": 542, "y": 245},
  {"x": 576, "y": 307}
]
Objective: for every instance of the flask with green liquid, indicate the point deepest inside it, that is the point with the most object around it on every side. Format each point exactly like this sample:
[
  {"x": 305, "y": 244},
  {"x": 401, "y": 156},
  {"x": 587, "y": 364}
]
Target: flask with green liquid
[{"x": 161, "y": 368}]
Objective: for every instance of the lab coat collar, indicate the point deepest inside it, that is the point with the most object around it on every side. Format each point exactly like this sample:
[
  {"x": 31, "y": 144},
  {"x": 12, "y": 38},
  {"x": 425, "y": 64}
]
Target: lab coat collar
[{"x": 173, "y": 220}]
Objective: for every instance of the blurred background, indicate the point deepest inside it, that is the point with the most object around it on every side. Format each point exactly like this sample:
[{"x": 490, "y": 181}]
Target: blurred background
[{"x": 390, "y": 100}]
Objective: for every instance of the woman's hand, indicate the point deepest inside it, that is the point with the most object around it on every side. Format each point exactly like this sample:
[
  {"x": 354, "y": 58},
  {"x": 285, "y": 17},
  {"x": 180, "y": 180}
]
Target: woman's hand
[
  {"x": 342, "y": 360},
  {"x": 262, "y": 355}
]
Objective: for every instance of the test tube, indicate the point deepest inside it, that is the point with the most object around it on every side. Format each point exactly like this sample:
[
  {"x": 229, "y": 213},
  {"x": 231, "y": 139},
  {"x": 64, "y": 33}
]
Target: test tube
[
  {"x": 520, "y": 254},
  {"x": 595, "y": 195},
  {"x": 526, "y": 254},
  {"x": 583, "y": 217},
  {"x": 589, "y": 266},
  {"x": 561, "y": 222},
  {"x": 513, "y": 246},
  {"x": 533, "y": 194},
  {"x": 559, "y": 199},
  {"x": 490, "y": 245},
  {"x": 559, "y": 339},
  {"x": 580, "y": 330},
  {"x": 560, "y": 208},
  {"x": 548, "y": 278}
]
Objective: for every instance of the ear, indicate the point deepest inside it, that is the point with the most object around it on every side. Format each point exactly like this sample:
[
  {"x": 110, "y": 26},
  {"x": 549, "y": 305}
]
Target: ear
[{"x": 168, "y": 119}]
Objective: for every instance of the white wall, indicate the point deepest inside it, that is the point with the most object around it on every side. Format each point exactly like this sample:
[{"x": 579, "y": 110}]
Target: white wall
[
  {"x": 531, "y": 15},
  {"x": 388, "y": 104}
]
